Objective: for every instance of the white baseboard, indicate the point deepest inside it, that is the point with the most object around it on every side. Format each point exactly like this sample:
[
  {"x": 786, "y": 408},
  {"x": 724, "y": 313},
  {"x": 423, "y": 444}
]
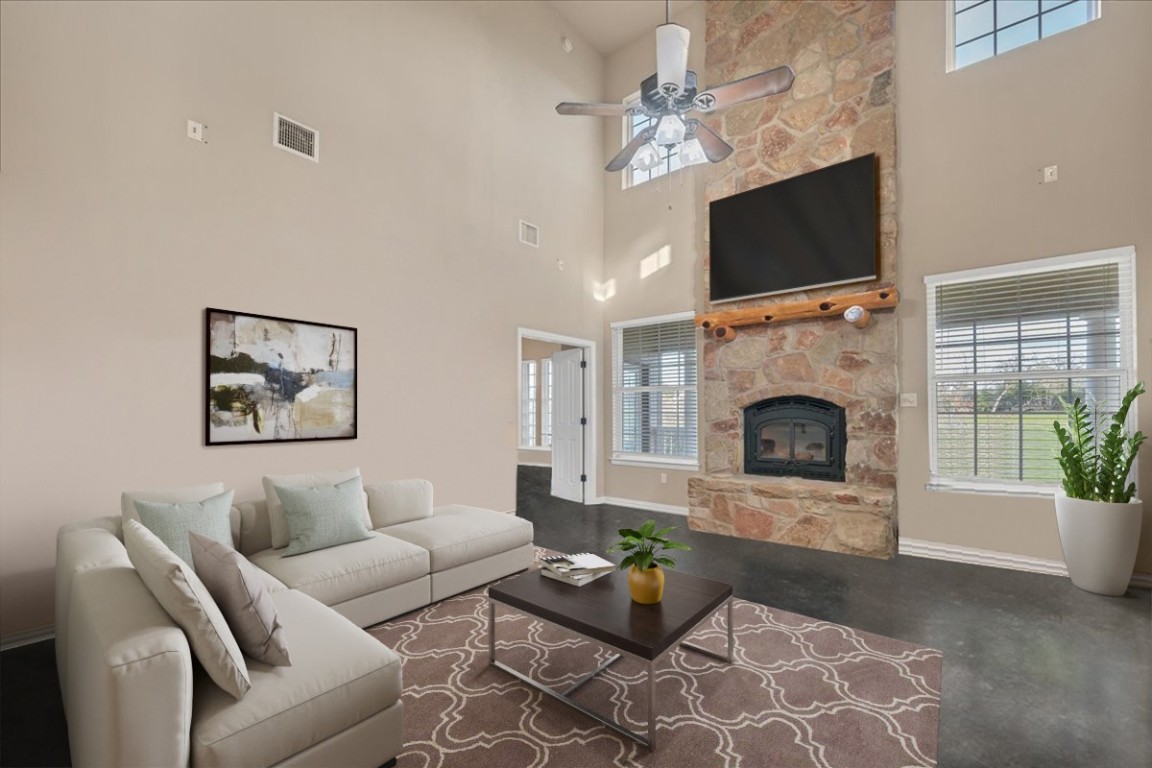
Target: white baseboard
[
  {"x": 958, "y": 554},
  {"x": 534, "y": 464},
  {"x": 17, "y": 639},
  {"x": 648, "y": 506}
]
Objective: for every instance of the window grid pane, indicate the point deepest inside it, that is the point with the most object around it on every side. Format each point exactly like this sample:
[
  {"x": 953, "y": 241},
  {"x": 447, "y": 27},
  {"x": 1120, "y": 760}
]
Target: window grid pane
[
  {"x": 985, "y": 28},
  {"x": 528, "y": 403},
  {"x": 654, "y": 390},
  {"x": 1008, "y": 350},
  {"x": 546, "y": 403},
  {"x": 671, "y": 161}
]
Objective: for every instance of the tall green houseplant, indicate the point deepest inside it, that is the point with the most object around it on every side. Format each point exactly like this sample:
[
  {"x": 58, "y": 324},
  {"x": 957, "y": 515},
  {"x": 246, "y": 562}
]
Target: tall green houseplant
[{"x": 1098, "y": 461}]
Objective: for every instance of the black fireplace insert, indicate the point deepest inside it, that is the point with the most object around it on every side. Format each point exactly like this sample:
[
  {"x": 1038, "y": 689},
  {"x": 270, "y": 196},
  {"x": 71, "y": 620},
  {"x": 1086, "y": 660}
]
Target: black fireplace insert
[{"x": 795, "y": 436}]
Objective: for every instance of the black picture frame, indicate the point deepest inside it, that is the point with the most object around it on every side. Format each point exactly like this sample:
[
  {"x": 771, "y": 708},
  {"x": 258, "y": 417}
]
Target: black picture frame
[{"x": 276, "y": 380}]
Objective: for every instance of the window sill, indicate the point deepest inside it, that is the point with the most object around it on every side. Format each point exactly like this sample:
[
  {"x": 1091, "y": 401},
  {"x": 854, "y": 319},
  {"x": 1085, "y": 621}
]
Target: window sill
[
  {"x": 654, "y": 462},
  {"x": 983, "y": 489},
  {"x": 534, "y": 448}
]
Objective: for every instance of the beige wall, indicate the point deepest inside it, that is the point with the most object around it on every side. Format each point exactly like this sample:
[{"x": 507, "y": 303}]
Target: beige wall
[
  {"x": 970, "y": 146},
  {"x": 534, "y": 349},
  {"x": 437, "y": 134},
  {"x": 637, "y": 222}
]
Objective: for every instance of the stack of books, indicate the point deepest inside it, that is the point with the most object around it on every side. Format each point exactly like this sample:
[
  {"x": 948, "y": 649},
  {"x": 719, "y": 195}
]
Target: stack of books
[{"x": 577, "y": 570}]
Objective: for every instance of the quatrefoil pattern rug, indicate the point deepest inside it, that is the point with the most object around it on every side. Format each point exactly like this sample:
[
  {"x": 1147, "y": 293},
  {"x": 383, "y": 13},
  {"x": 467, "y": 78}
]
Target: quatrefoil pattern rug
[{"x": 800, "y": 692}]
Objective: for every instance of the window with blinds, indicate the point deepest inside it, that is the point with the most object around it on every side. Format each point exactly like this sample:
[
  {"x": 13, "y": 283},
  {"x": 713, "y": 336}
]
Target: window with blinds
[
  {"x": 654, "y": 390},
  {"x": 1007, "y": 346},
  {"x": 528, "y": 404}
]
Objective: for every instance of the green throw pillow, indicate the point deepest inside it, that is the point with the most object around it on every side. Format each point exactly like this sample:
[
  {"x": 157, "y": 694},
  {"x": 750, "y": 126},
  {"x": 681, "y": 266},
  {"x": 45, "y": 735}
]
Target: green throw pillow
[
  {"x": 171, "y": 523},
  {"x": 324, "y": 516}
]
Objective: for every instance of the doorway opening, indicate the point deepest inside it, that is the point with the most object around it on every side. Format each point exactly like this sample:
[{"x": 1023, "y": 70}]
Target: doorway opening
[{"x": 556, "y": 407}]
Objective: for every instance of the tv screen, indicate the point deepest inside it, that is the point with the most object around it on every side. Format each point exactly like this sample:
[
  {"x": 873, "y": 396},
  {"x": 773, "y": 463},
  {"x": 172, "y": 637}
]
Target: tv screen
[{"x": 812, "y": 230}]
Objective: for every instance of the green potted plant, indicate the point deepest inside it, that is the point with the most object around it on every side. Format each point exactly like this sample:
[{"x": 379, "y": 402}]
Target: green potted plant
[
  {"x": 1097, "y": 511},
  {"x": 645, "y": 547}
]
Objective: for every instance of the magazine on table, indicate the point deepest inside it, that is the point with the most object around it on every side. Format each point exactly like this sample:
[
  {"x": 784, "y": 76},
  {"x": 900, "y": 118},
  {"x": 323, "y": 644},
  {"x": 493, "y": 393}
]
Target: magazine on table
[
  {"x": 578, "y": 580},
  {"x": 582, "y": 564}
]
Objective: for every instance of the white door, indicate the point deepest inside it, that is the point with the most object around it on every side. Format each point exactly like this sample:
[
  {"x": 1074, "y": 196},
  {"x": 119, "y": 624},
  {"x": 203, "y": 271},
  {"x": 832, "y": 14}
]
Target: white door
[{"x": 568, "y": 424}]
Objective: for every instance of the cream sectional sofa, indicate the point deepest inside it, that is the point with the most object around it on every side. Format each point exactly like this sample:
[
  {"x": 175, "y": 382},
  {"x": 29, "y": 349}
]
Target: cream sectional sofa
[{"x": 134, "y": 695}]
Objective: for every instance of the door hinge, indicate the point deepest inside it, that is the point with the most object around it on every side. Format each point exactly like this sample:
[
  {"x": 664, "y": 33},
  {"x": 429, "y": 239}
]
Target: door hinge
[
  {"x": 583, "y": 478},
  {"x": 583, "y": 364},
  {"x": 583, "y": 421}
]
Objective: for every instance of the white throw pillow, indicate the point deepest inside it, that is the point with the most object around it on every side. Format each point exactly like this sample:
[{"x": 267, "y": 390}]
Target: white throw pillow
[
  {"x": 276, "y": 518},
  {"x": 178, "y": 495},
  {"x": 185, "y": 598}
]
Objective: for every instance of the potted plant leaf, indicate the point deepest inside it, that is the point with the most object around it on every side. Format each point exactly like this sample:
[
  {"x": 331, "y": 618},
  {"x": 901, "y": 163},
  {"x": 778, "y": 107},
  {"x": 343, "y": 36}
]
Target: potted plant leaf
[
  {"x": 1097, "y": 511},
  {"x": 644, "y": 548}
]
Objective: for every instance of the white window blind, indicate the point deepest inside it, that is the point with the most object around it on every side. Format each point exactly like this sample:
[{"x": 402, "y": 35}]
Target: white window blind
[
  {"x": 654, "y": 390},
  {"x": 528, "y": 404},
  {"x": 1006, "y": 345},
  {"x": 546, "y": 403}
]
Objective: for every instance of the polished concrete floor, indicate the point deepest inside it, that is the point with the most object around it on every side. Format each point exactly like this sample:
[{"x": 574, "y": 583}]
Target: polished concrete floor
[{"x": 1036, "y": 672}]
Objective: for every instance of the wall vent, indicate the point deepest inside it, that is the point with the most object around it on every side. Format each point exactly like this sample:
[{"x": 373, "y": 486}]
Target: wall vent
[
  {"x": 295, "y": 137},
  {"x": 529, "y": 234}
]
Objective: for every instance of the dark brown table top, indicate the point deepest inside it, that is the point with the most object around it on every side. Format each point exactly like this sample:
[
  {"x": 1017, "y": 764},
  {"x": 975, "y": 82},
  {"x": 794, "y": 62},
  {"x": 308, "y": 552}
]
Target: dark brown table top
[{"x": 604, "y": 611}]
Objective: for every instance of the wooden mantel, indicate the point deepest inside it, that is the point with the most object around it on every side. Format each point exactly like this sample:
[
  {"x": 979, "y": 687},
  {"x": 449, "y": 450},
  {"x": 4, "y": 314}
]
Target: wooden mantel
[{"x": 722, "y": 323}]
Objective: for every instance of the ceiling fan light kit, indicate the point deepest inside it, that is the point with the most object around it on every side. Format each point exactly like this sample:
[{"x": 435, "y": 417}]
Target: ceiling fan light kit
[{"x": 669, "y": 95}]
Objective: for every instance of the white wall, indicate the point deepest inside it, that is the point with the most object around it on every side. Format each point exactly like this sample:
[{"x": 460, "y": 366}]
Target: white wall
[
  {"x": 438, "y": 133},
  {"x": 970, "y": 144},
  {"x": 637, "y": 222}
]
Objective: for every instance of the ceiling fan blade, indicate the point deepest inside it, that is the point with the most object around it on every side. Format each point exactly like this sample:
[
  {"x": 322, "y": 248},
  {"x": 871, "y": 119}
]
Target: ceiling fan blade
[
  {"x": 624, "y": 157},
  {"x": 596, "y": 110},
  {"x": 715, "y": 148},
  {"x": 758, "y": 86},
  {"x": 671, "y": 58}
]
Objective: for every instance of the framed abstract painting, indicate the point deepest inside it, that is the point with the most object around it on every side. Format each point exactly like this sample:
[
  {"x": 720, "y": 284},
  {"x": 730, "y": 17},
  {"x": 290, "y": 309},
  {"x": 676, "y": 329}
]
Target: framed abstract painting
[{"x": 270, "y": 379}]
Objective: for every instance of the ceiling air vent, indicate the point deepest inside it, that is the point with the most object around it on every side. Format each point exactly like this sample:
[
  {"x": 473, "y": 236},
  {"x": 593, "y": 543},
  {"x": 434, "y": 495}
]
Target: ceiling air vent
[
  {"x": 295, "y": 137},
  {"x": 529, "y": 234}
]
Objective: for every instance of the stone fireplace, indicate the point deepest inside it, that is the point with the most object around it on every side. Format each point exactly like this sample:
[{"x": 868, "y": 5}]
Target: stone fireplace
[
  {"x": 794, "y": 437},
  {"x": 840, "y": 107}
]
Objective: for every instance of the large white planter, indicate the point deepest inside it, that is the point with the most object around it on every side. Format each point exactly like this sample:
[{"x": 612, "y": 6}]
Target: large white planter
[{"x": 1100, "y": 541}]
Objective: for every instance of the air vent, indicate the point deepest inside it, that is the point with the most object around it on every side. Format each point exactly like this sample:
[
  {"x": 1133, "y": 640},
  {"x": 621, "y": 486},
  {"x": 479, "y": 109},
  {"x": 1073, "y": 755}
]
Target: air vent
[
  {"x": 529, "y": 234},
  {"x": 295, "y": 137}
]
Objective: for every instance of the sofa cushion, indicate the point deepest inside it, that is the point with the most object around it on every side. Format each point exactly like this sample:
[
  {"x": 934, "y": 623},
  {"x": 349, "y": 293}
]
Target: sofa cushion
[
  {"x": 176, "y": 495},
  {"x": 237, "y": 586},
  {"x": 276, "y": 517},
  {"x": 350, "y": 570},
  {"x": 458, "y": 534},
  {"x": 172, "y": 522},
  {"x": 399, "y": 501},
  {"x": 323, "y": 516},
  {"x": 181, "y": 593},
  {"x": 341, "y": 676}
]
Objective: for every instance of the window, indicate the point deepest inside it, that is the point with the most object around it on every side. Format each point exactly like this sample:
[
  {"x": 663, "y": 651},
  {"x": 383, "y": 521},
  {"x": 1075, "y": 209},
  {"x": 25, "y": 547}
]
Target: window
[
  {"x": 982, "y": 29},
  {"x": 634, "y": 124},
  {"x": 546, "y": 403},
  {"x": 654, "y": 390},
  {"x": 1006, "y": 345},
  {"x": 528, "y": 404}
]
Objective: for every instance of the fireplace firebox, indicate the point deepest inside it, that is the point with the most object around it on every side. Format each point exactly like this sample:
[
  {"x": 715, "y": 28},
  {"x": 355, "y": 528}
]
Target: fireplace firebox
[{"x": 795, "y": 436}]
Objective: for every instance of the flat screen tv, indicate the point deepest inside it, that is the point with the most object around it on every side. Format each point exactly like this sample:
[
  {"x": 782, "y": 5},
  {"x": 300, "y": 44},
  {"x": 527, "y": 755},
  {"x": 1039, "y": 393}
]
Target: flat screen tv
[{"x": 809, "y": 231}]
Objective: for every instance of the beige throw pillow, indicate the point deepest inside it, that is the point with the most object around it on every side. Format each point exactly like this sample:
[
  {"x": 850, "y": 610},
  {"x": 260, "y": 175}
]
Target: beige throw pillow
[
  {"x": 276, "y": 519},
  {"x": 399, "y": 501},
  {"x": 238, "y": 588},
  {"x": 178, "y": 590}
]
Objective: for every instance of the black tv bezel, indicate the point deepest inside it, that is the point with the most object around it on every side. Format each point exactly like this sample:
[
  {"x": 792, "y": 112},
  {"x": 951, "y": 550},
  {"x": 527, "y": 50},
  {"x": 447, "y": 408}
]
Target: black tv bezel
[{"x": 876, "y": 237}]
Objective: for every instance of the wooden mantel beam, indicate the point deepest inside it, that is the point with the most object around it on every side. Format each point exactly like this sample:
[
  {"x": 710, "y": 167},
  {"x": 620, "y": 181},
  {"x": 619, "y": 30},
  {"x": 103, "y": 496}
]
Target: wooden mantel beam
[{"x": 880, "y": 298}]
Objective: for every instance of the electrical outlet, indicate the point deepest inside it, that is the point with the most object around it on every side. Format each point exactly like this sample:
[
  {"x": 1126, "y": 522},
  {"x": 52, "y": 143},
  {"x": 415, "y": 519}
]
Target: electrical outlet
[
  {"x": 1049, "y": 174},
  {"x": 196, "y": 131},
  {"x": 908, "y": 400},
  {"x": 664, "y": 478},
  {"x": 560, "y": 264}
]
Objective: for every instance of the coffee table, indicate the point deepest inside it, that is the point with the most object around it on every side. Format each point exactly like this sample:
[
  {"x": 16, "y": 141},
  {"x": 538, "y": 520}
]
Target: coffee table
[{"x": 603, "y": 611}]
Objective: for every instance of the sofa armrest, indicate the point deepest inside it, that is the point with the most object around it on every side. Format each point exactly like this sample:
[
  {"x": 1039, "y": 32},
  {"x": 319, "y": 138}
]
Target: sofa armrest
[
  {"x": 129, "y": 699},
  {"x": 399, "y": 501}
]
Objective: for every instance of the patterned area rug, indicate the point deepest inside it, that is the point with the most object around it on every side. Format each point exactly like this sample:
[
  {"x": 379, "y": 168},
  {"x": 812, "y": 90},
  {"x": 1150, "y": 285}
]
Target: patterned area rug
[{"x": 800, "y": 693}]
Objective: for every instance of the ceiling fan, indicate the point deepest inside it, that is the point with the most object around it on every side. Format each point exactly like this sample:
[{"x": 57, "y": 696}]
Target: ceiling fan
[{"x": 670, "y": 95}]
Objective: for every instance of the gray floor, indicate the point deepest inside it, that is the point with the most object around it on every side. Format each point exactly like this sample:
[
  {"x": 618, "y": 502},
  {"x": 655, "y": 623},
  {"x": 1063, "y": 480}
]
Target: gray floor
[{"x": 1036, "y": 672}]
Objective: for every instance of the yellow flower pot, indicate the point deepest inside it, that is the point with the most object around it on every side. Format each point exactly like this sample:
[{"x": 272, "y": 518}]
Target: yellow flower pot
[{"x": 647, "y": 587}]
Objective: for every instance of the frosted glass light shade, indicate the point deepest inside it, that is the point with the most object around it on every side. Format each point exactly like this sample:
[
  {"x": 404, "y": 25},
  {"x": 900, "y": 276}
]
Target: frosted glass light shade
[
  {"x": 646, "y": 158},
  {"x": 671, "y": 57},
  {"x": 670, "y": 130},
  {"x": 692, "y": 153}
]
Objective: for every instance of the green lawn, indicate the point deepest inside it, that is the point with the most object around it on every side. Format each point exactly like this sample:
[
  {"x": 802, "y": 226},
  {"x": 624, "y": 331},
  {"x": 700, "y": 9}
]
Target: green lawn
[{"x": 1002, "y": 440}]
